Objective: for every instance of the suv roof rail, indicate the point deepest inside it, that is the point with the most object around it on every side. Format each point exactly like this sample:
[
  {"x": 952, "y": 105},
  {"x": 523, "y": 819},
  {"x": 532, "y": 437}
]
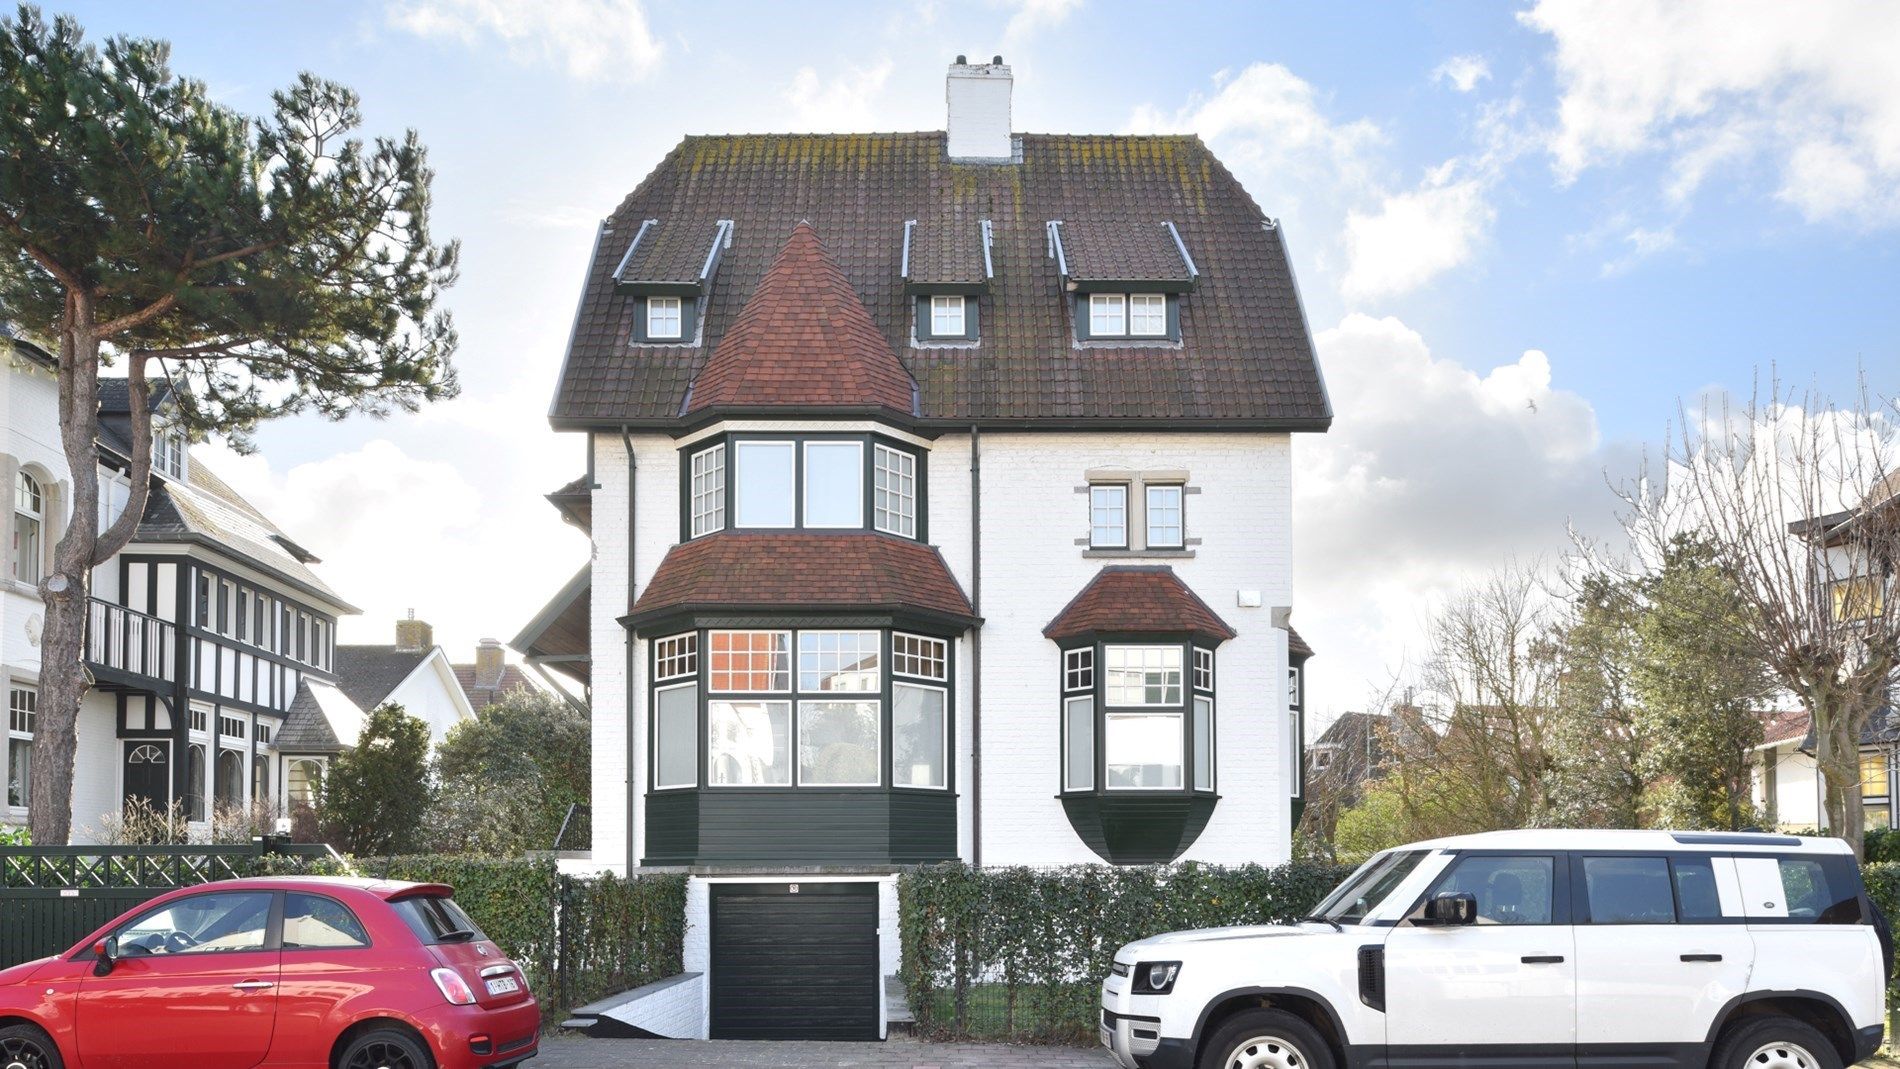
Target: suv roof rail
[{"x": 1734, "y": 838}]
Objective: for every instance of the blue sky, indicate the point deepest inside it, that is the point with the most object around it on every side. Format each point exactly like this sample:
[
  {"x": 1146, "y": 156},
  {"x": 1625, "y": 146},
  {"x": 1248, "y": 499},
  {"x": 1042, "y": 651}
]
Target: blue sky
[{"x": 1523, "y": 233}]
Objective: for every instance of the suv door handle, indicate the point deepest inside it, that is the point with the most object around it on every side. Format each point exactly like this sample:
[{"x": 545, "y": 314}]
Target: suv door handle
[
  {"x": 1542, "y": 959},
  {"x": 254, "y": 985},
  {"x": 1702, "y": 957}
]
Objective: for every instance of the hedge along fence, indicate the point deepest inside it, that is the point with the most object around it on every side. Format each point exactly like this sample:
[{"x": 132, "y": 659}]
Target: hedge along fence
[{"x": 1019, "y": 953}]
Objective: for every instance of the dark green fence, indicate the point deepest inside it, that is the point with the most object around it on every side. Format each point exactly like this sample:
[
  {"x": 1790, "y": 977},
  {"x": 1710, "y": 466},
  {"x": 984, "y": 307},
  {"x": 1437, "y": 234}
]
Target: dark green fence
[{"x": 53, "y": 896}]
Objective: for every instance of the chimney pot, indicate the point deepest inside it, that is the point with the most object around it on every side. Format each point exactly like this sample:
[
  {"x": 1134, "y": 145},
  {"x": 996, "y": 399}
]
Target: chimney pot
[{"x": 979, "y": 111}]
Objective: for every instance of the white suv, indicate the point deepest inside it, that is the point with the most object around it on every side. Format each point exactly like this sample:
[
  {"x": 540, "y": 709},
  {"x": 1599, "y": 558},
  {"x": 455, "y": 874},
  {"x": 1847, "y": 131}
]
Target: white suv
[{"x": 1636, "y": 949}]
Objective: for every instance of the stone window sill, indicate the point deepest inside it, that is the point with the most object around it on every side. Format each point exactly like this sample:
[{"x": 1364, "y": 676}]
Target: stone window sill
[{"x": 1175, "y": 554}]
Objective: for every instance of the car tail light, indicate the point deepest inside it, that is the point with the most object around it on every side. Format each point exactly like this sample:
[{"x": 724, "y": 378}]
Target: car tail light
[{"x": 453, "y": 987}]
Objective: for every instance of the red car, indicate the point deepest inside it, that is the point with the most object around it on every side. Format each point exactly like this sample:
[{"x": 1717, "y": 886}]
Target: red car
[{"x": 294, "y": 972}]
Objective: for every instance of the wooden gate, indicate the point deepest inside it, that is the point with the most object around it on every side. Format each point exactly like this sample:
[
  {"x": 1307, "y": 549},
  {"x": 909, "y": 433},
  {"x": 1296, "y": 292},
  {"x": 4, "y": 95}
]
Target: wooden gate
[{"x": 53, "y": 896}]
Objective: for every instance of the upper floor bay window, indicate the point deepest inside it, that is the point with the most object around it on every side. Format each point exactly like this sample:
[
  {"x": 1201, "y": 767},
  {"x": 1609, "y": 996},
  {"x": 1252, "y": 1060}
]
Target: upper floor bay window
[
  {"x": 29, "y": 519},
  {"x": 663, "y": 318},
  {"x": 1144, "y": 721},
  {"x": 811, "y": 482}
]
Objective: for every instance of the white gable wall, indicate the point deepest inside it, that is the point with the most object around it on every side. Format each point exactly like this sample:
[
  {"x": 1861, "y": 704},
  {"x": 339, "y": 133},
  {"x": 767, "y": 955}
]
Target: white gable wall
[{"x": 432, "y": 695}]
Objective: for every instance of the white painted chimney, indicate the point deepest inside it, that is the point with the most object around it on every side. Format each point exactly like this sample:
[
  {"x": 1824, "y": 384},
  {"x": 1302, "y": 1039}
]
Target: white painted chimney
[{"x": 979, "y": 110}]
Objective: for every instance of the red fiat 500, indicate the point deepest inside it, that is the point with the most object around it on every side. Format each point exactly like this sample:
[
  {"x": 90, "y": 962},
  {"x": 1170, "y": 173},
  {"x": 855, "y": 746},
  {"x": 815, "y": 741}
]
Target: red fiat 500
[{"x": 303, "y": 972}]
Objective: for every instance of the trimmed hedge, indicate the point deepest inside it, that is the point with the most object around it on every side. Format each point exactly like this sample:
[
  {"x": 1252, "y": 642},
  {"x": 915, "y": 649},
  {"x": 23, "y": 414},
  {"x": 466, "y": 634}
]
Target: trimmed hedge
[{"x": 1019, "y": 953}]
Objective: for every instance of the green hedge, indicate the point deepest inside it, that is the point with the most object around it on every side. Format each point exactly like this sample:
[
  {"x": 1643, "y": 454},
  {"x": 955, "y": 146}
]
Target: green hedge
[{"x": 1019, "y": 953}]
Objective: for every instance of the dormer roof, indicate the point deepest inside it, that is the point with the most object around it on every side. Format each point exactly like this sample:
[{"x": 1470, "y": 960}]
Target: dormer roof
[
  {"x": 804, "y": 340},
  {"x": 947, "y": 255},
  {"x": 1119, "y": 254},
  {"x": 675, "y": 258}
]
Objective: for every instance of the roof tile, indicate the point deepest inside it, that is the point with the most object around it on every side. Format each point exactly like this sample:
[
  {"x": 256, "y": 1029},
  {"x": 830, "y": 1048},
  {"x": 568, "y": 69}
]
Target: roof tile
[
  {"x": 804, "y": 570},
  {"x": 1137, "y": 598}
]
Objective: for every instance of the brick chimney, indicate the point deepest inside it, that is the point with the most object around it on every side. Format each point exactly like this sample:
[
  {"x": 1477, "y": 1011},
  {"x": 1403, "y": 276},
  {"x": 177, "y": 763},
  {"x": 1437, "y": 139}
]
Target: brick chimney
[
  {"x": 490, "y": 661},
  {"x": 414, "y": 634},
  {"x": 978, "y": 124}
]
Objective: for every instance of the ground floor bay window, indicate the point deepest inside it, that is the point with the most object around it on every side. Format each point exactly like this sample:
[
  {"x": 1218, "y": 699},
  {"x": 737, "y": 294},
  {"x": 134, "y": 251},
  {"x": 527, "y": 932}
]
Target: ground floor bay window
[{"x": 800, "y": 744}]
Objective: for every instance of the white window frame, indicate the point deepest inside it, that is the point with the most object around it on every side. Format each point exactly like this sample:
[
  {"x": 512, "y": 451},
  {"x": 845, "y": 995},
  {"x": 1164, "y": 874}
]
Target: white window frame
[
  {"x": 737, "y": 474},
  {"x": 1293, "y": 687},
  {"x": 29, "y": 505},
  {"x": 1110, "y": 688},
  {"x": 949, "y": 316},
  {"x": 22, "y": 718},
  {"x": 693, "y": 730},
  {"x": 1148, "y": 492},
  {"x": 932, "y": 654},
  {"x": 894, "y": 491},
  {"x": 1202, "y": 738},
  {"x": 1182, "y": 758},
  {"x": 707, "y": 490},
  {"x": 1203, "y": 669},
  {"x": 874, "y": 676},
  {"x": 1095, "y": 509},
  {"x": 1069, "y": 702},
  {"x": 170, "y": 452},
  {"x": 1147, "y": 306},
  {"x": 944, "y": 692},
  {"x": 1106, "y": 309},
  {"x": 877, "y": 739},
  {"x": 857, "y": 499},
  {"x": 782, "y": 663},
  {"x": 676, "y": 656},
  {"x": 791, "y": 741},
  {"x": 665, "y": 318},
  {"x": 1078, "y": 669}
]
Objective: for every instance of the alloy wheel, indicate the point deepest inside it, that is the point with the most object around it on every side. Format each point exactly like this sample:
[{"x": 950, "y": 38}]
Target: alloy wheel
[
  {"x": 381, "y": 1056},
  {"x": 1781, "y": 1056},
  {"x": 1266, "y": 1052},
  {"x": 22, "y": 1053}
]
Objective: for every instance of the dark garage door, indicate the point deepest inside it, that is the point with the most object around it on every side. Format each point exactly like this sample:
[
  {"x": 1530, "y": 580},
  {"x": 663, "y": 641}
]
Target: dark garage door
[{"x": 794, "y": 961}]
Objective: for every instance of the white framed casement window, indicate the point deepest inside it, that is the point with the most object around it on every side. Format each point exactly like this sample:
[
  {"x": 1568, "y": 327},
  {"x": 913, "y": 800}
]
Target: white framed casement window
[
  {"x": 29, "y": 517},
  {"x": 1293, "y": 687},
  {"x": 748, "y": 743},
  {"x": 1108, "y": 516},
  {"x": 1142, "y": 675},
  {"x": 1204, "y": 743},
  {"x": 838, "y": 661},
  {"x": 676, "y": 736},
  {"x": 22, "y": 710},
  {"x": 839, "y": 743},
  {"x": 1165, "y": 529},
  {"x": 708, "y": 490},
  {"x": 676, "y": 657},
  {"x": 834, "y": 484},
  {"x": 947, "y": 317},
  {"x": 750, "y": 662},
  {"x": 1078, "y": 669},
  {"x": 169, "y": 452},
  {"x": 765, "y": 484},
  {"x": 917, "y": 655},
  {"x": 1078, "y": 743},
  {"x": 1142, "y": 750},
  {"x": 894, "y": 491},
  {"x": 1108, "y": 315},
  {"x": 663, "y": 317},
  {"x": 1203, "y": 669},
  {"x": 920, "y": 736},
  {"x": 1148, "y": 315},
  {"x": 303, "y": 779}
]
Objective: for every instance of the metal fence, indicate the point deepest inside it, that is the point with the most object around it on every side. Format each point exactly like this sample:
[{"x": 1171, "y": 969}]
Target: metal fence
[{"x": 53, "y": 896}]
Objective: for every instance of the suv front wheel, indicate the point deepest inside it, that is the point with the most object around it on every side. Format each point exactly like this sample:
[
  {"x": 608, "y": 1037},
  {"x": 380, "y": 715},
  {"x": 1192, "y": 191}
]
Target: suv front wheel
[
  {"x": 1267, "y": 1039},
  {"x": 1774, "y": 1043}
]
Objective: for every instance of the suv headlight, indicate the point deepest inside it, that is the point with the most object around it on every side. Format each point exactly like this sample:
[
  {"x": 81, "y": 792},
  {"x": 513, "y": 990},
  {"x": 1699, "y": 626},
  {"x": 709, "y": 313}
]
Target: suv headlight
[{"x": 1156, "y": 977}]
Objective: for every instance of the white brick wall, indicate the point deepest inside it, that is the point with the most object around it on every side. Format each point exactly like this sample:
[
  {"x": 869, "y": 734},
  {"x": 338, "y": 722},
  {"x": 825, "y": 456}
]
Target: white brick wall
[{"x": 678, "y": 1011}]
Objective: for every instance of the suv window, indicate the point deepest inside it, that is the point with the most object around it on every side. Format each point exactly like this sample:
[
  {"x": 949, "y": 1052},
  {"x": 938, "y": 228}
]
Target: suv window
[
  {"x": 1821, "y": 890},
  {"x": 1629, "y": 890},
  {"x": 1509, "y": 890},
  {"x": 1696, "y": 896},
  {"x": 1365, "y": 889}
]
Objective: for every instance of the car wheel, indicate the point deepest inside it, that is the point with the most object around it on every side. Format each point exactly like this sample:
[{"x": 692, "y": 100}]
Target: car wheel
[
  {"x": 1266, "y": 1039},
  {"x": 23, "y": 1046},
  {"x": 384, "y": 1048},
  {"x": 1774, "y": 1043}
]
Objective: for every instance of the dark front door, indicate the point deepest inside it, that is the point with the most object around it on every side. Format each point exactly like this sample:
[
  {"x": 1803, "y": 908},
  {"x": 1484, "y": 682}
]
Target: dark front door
[
  {"x": 148, "y": 773},
  {"x": 795, "y": 961}
]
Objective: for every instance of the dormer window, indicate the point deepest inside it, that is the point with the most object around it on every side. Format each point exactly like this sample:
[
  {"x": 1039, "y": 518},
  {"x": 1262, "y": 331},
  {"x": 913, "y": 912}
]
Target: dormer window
[
  {"x": 1108, "y": 315},
  {"x": 946, "y": 316},
  {"x": 663, "y": 318},
  {"x": 1119, "y": 316},
  {"x": 169, "y": 452},
  {"x": 1147, "y": 315}
]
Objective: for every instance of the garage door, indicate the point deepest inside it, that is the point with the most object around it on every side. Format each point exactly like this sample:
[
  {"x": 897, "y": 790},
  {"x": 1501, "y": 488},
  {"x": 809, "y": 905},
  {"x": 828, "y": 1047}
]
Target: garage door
[{"x": 794, "y": 961}]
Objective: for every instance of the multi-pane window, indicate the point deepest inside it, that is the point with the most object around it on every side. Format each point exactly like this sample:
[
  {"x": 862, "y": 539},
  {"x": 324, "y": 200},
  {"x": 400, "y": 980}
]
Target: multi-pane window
[
  {"x": 168, "y": 452},
  {"x": 916, "y": 655},
  {"x": 894, "y": 491},
  {"x": 1108, "y": 516},
  {"x": 839, "y": 743},
  {"x": 1078, "y": 743},
  {"x": 29, "y": 514},
  {"x": 709, "y": 490},
  {"x": 1108, "y": 314},
  {"x": 663, "y": 317},
  {"x": 200, "y": 719},
  {"x": 1164, "y": 517},
  {"x": 1203, "y": 669},
  {"x": 1142, "y": 675},
  {"x": 1142, "y": 750},
  {"x": 751, "y": 661},
  {"x": 677, "y": 656},
  {"x": 748, "y": 743},
  {"x": 834, "y": 484},
  {"x": 1148, "y": 315},
  {"x": 766, "y": 482},
  {"x": 1078, "y": 669},
  {"x": 946, "y": 317},
  {"x": 838, "y": 661},
  {"x": 1873, "y": 775},
  {"x": 22, "y": 711},
  {"x": 676, "y": 736},
  {"x": 920, "y": 736},
  {"x": 231, "y": 727}
]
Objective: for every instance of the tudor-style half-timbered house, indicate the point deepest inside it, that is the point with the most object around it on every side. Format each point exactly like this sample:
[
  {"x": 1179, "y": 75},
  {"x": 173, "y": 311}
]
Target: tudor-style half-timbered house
[{"x": 940, "y": 494}]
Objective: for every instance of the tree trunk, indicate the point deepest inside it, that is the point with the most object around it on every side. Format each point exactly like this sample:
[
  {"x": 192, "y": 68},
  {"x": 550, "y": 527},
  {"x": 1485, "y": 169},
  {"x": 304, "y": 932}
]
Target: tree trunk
[{"x": 1837, "y": 755}]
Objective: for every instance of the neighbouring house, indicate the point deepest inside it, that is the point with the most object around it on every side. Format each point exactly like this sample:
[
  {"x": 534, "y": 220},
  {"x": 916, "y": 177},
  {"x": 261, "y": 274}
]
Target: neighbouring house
[
  {"x": 940, "y": 494},
  {"x": 413, "y": 672},
  {"x": 1339, "y": 763},
  {"x": 490, "y": 678},
  {"x": 1788, "y": 786}
]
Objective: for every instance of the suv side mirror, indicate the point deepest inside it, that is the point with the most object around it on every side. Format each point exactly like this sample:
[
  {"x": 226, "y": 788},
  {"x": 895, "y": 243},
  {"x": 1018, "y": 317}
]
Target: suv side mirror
[
  {"x": 1450, "y": 909},
  {"x": 104, "y": 951}
]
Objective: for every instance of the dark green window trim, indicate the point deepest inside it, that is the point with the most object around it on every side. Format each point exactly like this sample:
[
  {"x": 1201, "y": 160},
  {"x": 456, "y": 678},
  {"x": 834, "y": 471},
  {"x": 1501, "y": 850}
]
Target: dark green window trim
[
  {"x": 1097, "y": 692},
  {"x": 867, "y": 474},
  {"x": 689, "y": 322},
  {"x": 925, "y": 325},
  {"x": 1080, "y": 308}
]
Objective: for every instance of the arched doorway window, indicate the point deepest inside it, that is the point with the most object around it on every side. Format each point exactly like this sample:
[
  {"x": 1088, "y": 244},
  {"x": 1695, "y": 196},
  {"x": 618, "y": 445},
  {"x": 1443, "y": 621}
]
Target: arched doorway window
[{"x": 230, "y": 778}]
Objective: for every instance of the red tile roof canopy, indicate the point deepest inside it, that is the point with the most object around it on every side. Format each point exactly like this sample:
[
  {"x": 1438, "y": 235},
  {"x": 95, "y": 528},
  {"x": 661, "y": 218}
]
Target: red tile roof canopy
[
  {"x": 773, "y": 571},
  {"x": 1133, "y": 599},
  {"x": 804, "y": 340}
]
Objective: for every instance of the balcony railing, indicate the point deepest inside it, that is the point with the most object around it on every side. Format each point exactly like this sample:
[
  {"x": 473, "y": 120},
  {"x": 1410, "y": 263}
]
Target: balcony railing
[{"x": 130, "y": 641}]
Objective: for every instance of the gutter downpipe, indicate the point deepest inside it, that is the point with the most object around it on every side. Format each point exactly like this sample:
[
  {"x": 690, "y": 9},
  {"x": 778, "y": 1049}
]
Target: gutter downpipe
[
  {"x": 633, "y": 722},
  {"x": 976, "y": 647}
]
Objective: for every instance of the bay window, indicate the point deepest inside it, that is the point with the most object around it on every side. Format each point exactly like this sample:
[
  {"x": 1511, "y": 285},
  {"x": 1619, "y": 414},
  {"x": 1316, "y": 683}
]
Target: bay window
[
  {"x": 834, "y": 484},
  {"x": 1143, "y": 722},
  {"x": 765, "y": 480},
  {"x": 894, "y": 492},
  {"x": 708, "y": 490},
  {"x": 920, "y": 736},
  {"x": 839, "y": 743},
  {"x": 749, "y": 743},
  {"x": 815, "y": 482}
]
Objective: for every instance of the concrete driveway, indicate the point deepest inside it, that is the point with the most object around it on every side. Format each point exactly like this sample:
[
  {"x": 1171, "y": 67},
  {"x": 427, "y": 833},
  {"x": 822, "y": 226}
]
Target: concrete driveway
[{"x": 574, "y": 1052}]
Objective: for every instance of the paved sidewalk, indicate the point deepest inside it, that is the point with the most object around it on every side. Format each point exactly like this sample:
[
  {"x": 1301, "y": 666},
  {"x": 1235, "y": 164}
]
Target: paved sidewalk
[{"x": 575, "y": 1052}]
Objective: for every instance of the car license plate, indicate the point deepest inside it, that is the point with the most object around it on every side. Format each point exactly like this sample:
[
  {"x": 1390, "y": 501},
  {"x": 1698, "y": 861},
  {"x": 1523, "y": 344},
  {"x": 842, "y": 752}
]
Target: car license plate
[{"x": 503, "y": 985}]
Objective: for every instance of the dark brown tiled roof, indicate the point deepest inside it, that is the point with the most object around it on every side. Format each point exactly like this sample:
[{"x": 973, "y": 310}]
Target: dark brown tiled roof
[
  {"x": 668, "y": 252},
  {"x": 1136, "y": 598},
  {"x": 369, "y": 674},
  {"x": 481, "y": 697},
  {"x": 803, "y": 340},
  {"x": 1245, "y": 356},
  {"x": 559, "y": 634},
  {"x": 947, "y": 251},
  {"x": 1122, "y": 250},
  {"x": 803, "y": 570},
  {"x": 1295, "y": 645}
]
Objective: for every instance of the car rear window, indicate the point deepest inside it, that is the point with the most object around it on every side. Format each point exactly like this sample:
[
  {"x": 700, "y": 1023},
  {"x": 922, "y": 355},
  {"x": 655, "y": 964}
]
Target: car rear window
[
  {"x": 436, "y": 919},
  {"x": 1821, "y": 890}
]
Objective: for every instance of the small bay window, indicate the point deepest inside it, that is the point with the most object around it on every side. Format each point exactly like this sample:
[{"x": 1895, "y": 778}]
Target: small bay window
[
  {"x": 920, "y": 736},
  {"x": 815, "y": 482},
  {"x": 1144, "y": 722}
]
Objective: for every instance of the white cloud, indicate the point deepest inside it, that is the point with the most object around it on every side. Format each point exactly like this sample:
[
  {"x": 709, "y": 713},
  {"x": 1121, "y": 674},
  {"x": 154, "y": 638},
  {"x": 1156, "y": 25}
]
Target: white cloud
[
  {"x": 846, "y": 101},
  {"x": 1034, "y": 16},
  {"x": 1463, "y": 73},
  {"x": 1810, "y": 90},
  {"x": 1433, "y": 473},
  {"x": 591, "y": 38},
  {"x": 1414, "y": 237}
]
